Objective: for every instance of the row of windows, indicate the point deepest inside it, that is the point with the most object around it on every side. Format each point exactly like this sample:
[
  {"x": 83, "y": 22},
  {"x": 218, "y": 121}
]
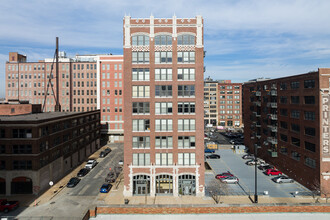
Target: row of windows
[
  {"x": 230, "y": 87},
  {"x": 295, "y": 127},
  {"x": 163, "y": 159},
  {"x": 143, "y": 40},
  {"x": 143, "y": 125},
  {"x": 162, "y": 74},
  {"x": 107, "y": 92},
  {"x": 296, "y": 156},
  {"x": 116, "y": 84},
  {"x": 163, "y": 91},
  {"x": 81, "y": 76},
  {"x": 295, "y": 141},
  {"x": 163, "y": 57},
  {"x": 82, "y": 101},
  {"x": 163, "y": 108},
  {"x": 229, "y": 97},
  {"x": 296, "y": 114},
  {"x": 115, "y": 66},
  {"x": 116, "y": 75}
]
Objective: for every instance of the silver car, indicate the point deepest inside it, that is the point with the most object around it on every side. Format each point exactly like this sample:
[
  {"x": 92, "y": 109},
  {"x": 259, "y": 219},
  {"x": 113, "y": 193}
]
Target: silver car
[
  {"x": 230, "y": 179},
  {"x": 282, "y": 179}
]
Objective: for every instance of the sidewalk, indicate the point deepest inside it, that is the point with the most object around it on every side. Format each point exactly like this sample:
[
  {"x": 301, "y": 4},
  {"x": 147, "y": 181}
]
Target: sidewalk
[{"x": 115, "y": 197}]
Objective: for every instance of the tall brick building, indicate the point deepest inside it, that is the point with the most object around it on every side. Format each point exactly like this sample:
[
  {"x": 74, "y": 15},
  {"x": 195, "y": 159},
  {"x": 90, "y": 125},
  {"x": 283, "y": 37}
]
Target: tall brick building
[
  {"x": 286, "y": 120},
  {"x": 164, "y": 124}
]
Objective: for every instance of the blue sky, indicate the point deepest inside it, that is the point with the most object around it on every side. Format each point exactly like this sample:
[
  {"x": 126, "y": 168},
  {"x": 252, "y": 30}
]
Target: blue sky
[{"x": 244, "y": 39}]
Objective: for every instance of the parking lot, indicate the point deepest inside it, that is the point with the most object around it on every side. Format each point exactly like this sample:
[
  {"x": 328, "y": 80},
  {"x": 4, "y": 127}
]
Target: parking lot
[{"x": 234, "y": 163}]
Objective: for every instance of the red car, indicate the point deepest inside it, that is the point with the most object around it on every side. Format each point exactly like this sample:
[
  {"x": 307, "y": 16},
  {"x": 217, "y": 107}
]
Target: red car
[
  {"x": 223, "y": 175},
  {"x": 272, "y": 172}
]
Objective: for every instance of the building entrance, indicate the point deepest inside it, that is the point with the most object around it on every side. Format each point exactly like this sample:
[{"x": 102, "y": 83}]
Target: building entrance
[
  {"x": 187, "y": 185},
  {"x": 141, "y": 185},
  {"x": 164, "y": 184},
  {"x": 21, "y": 185}
]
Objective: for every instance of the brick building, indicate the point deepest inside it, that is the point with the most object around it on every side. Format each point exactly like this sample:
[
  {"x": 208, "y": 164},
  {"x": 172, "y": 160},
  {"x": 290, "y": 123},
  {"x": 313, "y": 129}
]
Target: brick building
[
  {"x": 230, "y": 104},
  {"x": 286, "y": 120},
  {"x": 210, "y": 102},
  {"x": 38, "y": 148},
  {"x": 16, "y": 107},
  {"x": 110, "y": 95},
  {"x": 163, "y": 112}
]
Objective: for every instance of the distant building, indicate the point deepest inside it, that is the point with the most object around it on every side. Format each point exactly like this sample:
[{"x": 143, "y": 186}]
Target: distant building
[
  {"x": 222, "y": 103},
  {"x": 42, "y": 147},
  {"x": 16, "y": 107},
  {"x": 287, "y": 121}
]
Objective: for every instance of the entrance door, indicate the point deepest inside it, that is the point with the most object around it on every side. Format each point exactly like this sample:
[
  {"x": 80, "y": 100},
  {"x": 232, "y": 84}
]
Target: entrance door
[
  {"x": 141, "y": 189},
  {"x": 141, "y": 185},
  {"x": 2, "y": 186},
  {"x": 164, "y": 184},
  {"x": 21, "y": 185}
]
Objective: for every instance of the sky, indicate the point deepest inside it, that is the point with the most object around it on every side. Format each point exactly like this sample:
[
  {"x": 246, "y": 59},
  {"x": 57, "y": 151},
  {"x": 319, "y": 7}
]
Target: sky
[{"x": 243, "y": 39}]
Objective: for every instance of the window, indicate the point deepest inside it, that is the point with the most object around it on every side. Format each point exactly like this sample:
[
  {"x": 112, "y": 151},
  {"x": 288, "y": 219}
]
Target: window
[
  {"x": 295, "y": 127},
  {"x": 284, "y": 137},
  {"x": 22, "y": 149},
  {"x": 284, "y": 124},
  {"x": 186, "y": 90},
  {"x": 310, "y": 162},
  {"x": 141, "y": 92},
  {"x": 309, "y": 116},
  {"x": 309, "y": 100},
  {"x": 309, "y": 131},
  {"x": 186, "y": 125},
  {"x": 186, "y": 107},
  {"x": 22, "y": 165},
  {"x": 22, "y": 133},
  {"x": 164, "y": 159},
  {"x": 186, "y": 142},
  {"x": 186, "y": 159},
  {"x": 163, "y": 91},
  {"x": 141, "y": 108},
  {"x": 284, "y": 150},
  {"x": 141, "y": 142},
  {"x": 295, "y": 114},
  {"x": 164, "y": 142},
  {"x": 284, "y": 112},
  {"x": 295, "y": 141},
  {"x": 295, "y": 85},
  {"x": 294, "y": 99},
  {"x": 186, "y": 57},
  {"x": 295, "y": 155},
  {"x": 309, "y": 146},
  {"x": 283, "y": 86},
  {"x": 186, "y": 39},
  {"x": 163, "y": 40},
  {"x": 309, "y": 84},
  {"x": 141, "y": 125},
  {"x": 139, "y": 40},
  {"x": 163, "y": 108},
  {"x": 186, "y": 74},
  {"x": 164, "y": 124},
  {"x": 140, "y": 57},
  {"x": 141, "y": 159},
  {"x": 163, "y": 57},
  {"x": 140, "y": 74},
  {"x": 163, "y": 74}
]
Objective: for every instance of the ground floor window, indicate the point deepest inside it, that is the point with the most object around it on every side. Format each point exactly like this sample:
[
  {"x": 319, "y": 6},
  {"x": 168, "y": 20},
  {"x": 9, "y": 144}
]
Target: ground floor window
[
  {"x": 164, "y": 184},
  {"x": 187, "y": 185},
  {"x": 141, "y": 185}
]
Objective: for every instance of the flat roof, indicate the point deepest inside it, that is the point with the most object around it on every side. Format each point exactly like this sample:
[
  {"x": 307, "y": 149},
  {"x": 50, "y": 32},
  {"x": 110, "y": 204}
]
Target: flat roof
[{"x": 38, "y": 116}]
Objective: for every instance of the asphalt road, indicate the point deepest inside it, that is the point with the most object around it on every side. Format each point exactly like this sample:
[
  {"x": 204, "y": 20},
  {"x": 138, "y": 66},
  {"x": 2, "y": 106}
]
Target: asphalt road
[{"x": 72, "y": 203}]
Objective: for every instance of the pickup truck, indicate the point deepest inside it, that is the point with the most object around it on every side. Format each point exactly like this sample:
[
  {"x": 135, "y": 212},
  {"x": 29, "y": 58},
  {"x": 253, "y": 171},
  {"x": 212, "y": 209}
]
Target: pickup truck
[{"x": 6, "y": 206}]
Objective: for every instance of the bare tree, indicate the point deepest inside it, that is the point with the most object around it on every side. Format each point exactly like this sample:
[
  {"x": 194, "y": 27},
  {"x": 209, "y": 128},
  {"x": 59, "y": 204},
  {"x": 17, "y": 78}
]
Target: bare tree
[{"x": 217, "y": 189}]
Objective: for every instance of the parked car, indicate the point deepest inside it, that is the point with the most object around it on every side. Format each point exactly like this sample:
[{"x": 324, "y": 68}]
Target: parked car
[
  {"x": 265, "y": 166},
  {"x": 105, "y": 188},
  {"x": 209, "y": 151},
  {"x": 90, "y": 164},
  {"x": 230, "y": 179},
  {"x": 73, "y": 182},
  {"x": 248, "y": 156},
  {"x": 213, "y": 156},
  {"x": 105, "y": 152},
  {"x": 121, "y": 162},
  {"x": 282, "y": 179},
  {"x": 252, "y": 162},
  {"x": 82, "y": 172},
  {"x": 6, "y": 206},
  {"x": 223, "y": 175},
  {"x": 273, "y": 172}
]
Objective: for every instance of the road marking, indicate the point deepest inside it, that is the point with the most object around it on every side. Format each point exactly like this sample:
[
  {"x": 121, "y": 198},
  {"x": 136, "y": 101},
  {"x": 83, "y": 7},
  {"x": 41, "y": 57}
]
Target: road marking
[
  {"x": 83, "y": 190},
  {"x": 98, "y": 174}
]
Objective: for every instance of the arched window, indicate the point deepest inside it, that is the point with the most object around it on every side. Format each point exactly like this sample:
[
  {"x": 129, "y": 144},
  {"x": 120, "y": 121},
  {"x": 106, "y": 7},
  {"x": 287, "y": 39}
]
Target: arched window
[
  {"x": 186, "y": 39},
  {"x": 139, "y": 40},
  {"x": 163, "y": 40}
]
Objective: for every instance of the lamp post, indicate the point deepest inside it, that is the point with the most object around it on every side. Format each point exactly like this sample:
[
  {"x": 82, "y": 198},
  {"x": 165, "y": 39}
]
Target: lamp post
[{"x": 255, "y": 175}]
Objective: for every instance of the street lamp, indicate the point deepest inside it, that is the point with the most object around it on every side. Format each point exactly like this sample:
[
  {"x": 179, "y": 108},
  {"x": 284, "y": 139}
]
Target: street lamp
[{"x": 255, "y": 175}]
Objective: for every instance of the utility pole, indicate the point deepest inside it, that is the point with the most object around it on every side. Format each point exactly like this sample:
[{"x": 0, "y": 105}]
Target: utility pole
[{"x": 57, "y": 105}]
